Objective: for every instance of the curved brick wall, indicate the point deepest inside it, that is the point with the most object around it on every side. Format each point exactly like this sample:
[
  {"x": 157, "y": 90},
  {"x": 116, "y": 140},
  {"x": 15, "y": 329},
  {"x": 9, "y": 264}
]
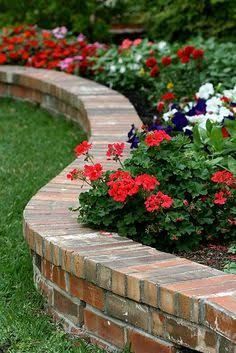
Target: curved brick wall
[{"x": 111, "y": 288}]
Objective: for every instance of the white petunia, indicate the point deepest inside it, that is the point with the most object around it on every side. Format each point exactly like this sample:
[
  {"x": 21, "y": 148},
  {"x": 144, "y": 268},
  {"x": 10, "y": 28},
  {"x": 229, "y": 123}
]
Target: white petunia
[
  {"x": 169, "y": 114},
  {"x": 120, "y": 61},
  {"x": 205, "y": 91},
  {"x": 213, "y": 105},
  {"x": 137, "y": 58},
  {"x": 122, "y": 69},
  {"x": 113, "y": 68}
]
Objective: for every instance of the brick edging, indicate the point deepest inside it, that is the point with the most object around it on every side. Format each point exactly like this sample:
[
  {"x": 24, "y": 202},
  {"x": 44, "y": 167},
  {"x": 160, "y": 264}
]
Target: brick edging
[{"x": 114, "y": 289}]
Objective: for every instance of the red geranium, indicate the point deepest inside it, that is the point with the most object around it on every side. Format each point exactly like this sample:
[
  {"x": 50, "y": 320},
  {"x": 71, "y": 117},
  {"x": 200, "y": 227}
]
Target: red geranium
[
  {"x": 154, "y": 71},
  {"x": 115, "y": 150},
  {"x": 93, "y": 172},
  {"x": 121, "y": 185},
  {"x": 3, "y": 58},
  {"x": 147, "y": 182},
  {"x": 220, "y": 198},
  {"x": 223, "y": 177},
  {"x": 225, "y": 132},
  {"x": 155, "y": 138},
  {"x": 73, "y": 174},
  {"x": 160, "y": 106},
  {"x": 157, "y": 201},
  {"x": 168, "y": 96},
  {"x": 197, "y": 54},
  {"x": 185, "y": 59},
  {"x": 82, "y": 148},
  {"x": 151, "y": 62},
  {"x": 166, "y": 60}
]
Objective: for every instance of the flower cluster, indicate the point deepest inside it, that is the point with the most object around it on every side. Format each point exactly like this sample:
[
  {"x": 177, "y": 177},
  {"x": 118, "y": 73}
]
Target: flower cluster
[
  {"x": 31, "y": 46},
  {"x": 158, "y": 201},
  {"x": 155, "y": 138},
  {"x": 189, "y": 52},
  {"x": 208, "y": 105}
]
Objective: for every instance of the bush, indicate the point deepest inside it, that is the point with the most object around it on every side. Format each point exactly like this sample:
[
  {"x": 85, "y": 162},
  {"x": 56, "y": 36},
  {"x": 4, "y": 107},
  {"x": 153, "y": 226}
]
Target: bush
[
  {"x": 182, "y": 19},
  {"x": 175, "y": 197}
]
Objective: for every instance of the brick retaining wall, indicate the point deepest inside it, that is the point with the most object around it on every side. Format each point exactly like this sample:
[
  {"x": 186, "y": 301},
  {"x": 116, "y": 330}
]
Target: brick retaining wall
[{"x": 110, "y": 288}]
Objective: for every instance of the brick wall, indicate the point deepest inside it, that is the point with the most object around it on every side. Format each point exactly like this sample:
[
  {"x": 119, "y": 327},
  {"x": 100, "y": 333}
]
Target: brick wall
[{"x": 98, "y": 284}]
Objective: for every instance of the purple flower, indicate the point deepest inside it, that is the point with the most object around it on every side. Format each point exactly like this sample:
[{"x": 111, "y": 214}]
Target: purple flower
[
  {"x": 81, "y": 37},
  {"x": 199, "y": 108},
  {"x": 180, "y": 121},
  {"x": 64, "y": 64}
]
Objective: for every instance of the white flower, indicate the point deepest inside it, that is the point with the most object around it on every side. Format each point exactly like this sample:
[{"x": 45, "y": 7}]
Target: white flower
[
  {"x": 120, "y": 61},
  {"x": 122, "y": 69},
  {"x": 225, "y": 112},
  {"x": 162, "y": 45},
  {"x": 169, "y": 114},
  {"x": 137, "y": 58},
  {"x": 213, "y": 105},
  {"x": 113, "y": 68},
  {"x": 205, "y": 91},
  {"x": 134, "y": 67},
  {"x": 231, "y": 94},
  {"x": 188, "y": 127}
]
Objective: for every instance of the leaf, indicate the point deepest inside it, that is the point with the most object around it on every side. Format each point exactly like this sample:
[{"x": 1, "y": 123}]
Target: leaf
[
  {"x": 232, "y": 164},
  {"x": 216, "y": 138}
]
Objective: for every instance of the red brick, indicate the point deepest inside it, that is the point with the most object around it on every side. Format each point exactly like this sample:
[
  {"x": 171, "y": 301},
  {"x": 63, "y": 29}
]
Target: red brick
[
  {"x": 58, "y": 277},
  {"x": 65, "y": 306},
  {"x": 181, "y": 332},
  {"x": 104, "y": 328},
  {"x": 220, "y": 319},
  {"x": 143, "y": 343},
  {"x": 87, "y": 292},
  {"x": 47, "y": 269}
]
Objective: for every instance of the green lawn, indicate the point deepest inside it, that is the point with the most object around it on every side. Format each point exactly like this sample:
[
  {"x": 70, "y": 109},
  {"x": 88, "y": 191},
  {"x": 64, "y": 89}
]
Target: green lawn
[{"x": 34, "y": 147}]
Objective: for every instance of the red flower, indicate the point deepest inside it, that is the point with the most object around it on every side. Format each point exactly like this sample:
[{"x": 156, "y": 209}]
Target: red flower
[
  {"x": 168, "y": 96},
  {"x": 220, "y": 198},
  {"x": 147, "y": 182},
  {"x": 187, "y": 51},
  {"x": 184, "y": 59},
  {"x": 73, "y": 174},
  {"x": 225, "y": 99},
  {"x": 115, "y": 150},
  {"x": 157, "y": 201},
  {"x": 166, "y": 60},
  {"x": 186, "y": 203},
  {"x": 154, "y": 71},
  {"x": 223, "y": 177},
  {"x": 3, "y": 58},
  {"x": 151, "y": 62},
  {"x": 82, "y": 148},
  {"x": 197, "y": 54},
  {"x": 155, "y": 138},
  {"x": 160, "y": 106},
  {"x": 121, "y": 185},
  {"x": 93, "y": 172},
  {"x": 225, "y": 132}
]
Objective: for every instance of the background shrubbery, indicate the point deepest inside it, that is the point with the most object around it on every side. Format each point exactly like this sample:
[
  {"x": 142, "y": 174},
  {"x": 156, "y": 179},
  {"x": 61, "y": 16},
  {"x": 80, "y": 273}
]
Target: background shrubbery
[{"x": 168, "y": 19}]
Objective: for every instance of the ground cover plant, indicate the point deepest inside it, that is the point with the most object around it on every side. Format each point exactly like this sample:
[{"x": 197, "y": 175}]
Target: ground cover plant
[{"x": 29, "y": 139}]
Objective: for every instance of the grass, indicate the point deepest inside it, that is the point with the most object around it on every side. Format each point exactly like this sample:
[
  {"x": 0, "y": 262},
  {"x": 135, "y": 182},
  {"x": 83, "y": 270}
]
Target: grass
[{"x": 34, "y": 147}]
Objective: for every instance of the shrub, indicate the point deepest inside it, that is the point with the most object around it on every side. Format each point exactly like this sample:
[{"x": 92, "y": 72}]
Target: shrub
[{"x": 175, "y": 197}]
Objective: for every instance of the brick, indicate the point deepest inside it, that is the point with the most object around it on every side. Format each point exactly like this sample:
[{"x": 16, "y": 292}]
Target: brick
[
  {"x": 104, "y": 275},
  {"x": 158, "y": 321},
  {"x": 181, "y": 332},
  {"x": 46, "y": 290},
  {"x": 66, "y": 307},
  {"x": 87, "y": 292},
  {"x": 90, "y": 269},
  {"x": 58, "y": 277},
  {"x": 149, "y": 293},
  {"x": 47, "y": 269},
  {"x": 128, "y": 311},
  {"x": 143, "y": 343},
  {"x": 105, "y": 328},
  {"x": 118, "y": 283},
  {"x": 219, "y": 319},
  {"x": 77, "y": 266},
  {"x": 133, "y": 288}
]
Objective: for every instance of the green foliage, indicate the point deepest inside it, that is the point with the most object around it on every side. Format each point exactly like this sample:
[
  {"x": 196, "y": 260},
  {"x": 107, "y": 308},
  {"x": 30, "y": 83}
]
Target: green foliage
[
  {"x": 180, "y": 19},
  {"x": 184, "y": 173}
]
